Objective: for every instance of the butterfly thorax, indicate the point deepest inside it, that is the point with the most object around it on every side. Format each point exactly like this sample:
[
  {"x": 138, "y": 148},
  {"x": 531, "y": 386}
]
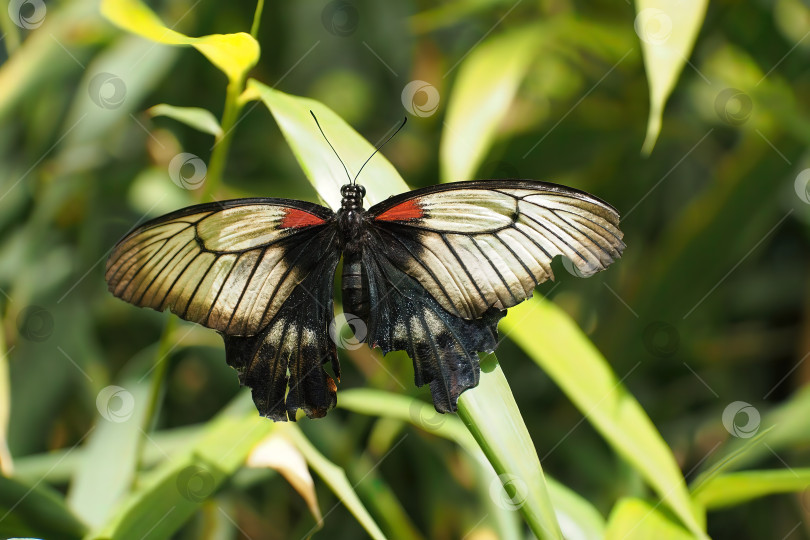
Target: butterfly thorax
[{"x": 351, "y": 227}]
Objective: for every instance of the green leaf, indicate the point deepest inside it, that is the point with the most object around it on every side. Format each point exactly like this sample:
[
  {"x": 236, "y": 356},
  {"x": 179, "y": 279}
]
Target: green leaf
[
  {"x": 168, "y": 497},
  {"x": 492, "y": 416},
  {"x": 486, "y": 85},
  {"x": 726, "y": 462},
  {"x": 109, "y": 460},
  {"x": 335, "y": 477},
  {"x": 736, "y": 488},
  {"x": 635, "y": 519},
  {"x": 319, "y": 163},
  {"x": 577, "y": 517},
  {"x": 786, "y": 427},
  {"x": 277, "y": 452},
  {"x": 667, "y": 30},
  {"x": 561, "y": 349},
  {"x": 35, "y": 510},
  {"x": 234, "y": 54},
  {"x": 196, "y": 117}
]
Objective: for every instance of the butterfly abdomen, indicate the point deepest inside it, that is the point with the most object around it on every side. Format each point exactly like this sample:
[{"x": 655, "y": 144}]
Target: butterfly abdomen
[{"x": 355, "y": 286}]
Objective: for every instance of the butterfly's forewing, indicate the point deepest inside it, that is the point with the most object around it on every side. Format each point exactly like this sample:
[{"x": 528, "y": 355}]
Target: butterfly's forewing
[
  {"x": 486, "y": 244},
  {"x": 245, "y": 268},
  {"x": 445, "y": 261}
]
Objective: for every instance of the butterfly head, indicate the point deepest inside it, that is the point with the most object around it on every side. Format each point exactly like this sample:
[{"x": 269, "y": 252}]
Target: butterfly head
[{"x": 352, "y": 196}]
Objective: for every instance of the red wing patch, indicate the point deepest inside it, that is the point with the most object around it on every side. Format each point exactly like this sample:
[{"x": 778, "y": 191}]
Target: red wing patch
[
  {"x": 406, "y": 211},
  {"x": 298, "y": 219}
]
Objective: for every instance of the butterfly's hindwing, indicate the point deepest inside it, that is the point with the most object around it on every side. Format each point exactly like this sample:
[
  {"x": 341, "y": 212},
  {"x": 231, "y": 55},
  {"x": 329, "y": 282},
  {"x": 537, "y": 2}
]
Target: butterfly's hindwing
[
  {"x": 480, "y": 245},
  {"x": 296, "y": 340},
  {"x": 442, "y": 346}
]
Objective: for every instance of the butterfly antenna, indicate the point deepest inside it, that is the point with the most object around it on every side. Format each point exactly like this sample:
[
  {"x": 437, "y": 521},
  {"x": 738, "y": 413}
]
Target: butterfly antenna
[
  {"x": 332, "y": 147},
  {"x": 402, "y": 125}
]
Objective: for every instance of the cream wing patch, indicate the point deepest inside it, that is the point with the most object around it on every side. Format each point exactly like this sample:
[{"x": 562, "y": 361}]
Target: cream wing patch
[{"x": 224, "y": 268}]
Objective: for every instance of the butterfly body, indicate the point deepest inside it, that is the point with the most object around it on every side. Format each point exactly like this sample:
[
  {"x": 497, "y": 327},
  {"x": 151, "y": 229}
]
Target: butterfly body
[{"x": 430, "y": 272}]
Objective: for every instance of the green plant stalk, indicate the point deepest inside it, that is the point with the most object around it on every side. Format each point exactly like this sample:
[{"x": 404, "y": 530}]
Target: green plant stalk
[
  {"x": 159, "y": 375},
  {"x": 257, "y": 19},
  {"x": 491, "y": 415},
  {"x": 6, "y": 465},
  {"x": 216, "y": 166}
]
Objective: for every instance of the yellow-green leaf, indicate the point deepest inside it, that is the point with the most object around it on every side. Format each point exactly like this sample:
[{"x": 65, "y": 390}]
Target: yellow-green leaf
[
  {"x": 233, "y": 54},
  {"x": 319, "y": 163},
  {"x": 667, "y": 30},
  {"x": 484, "y": 89},
  {"x": 635, "y": 519},
  {"x": 736, "y": 488},
  {"x": 278, "y": 453},
  {"x": 490, "y": 413},
  {"x": 335, "y": 477},
  {"x": 196, "y": 117},
  {"x": 563, "y": 351}
]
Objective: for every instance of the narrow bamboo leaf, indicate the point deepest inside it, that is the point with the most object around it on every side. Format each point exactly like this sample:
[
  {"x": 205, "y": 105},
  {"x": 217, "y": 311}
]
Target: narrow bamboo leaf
[
  {"x": 196, "y": 117},
  {"x": 486, "y": 85},
  {"x": 319, "y": 163},
  {"x": 559, "y": 347},
  {"x": 667, "y": 30},
  {"x": 36, "y": 510},
  {"x": 787, "y": 427},
  {"x": 335, "y": 478},
  {"x": 234, "y": 54},
  {"x": 635, "y": 519},
  {"x": 107, "y": 469},
  {"x": 736, "y": 488},
  {"x": 577, "y": 517},
  {"x": 728, "y": 461},
  {"x": 112, "y": 88},
  {"x": 169, "y": 495},
  {"x": 278, "y": 453},
  {"x": 490, "y": 413}
]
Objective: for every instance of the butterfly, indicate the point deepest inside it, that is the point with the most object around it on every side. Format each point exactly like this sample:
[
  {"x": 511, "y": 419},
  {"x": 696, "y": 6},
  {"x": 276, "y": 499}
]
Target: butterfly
[{"x": 429, "y": 272}]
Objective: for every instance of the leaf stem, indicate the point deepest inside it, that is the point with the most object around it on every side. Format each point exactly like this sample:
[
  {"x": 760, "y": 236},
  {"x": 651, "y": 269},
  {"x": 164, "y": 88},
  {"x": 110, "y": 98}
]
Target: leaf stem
[
  {"x": 216, "y": 166},
  {"x": 161, "y": 364},
  {"x": 257, "y": 18}
]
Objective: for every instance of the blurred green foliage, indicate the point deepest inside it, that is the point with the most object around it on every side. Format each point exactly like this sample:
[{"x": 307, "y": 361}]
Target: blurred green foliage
[{"x": 704, "y": 320}]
